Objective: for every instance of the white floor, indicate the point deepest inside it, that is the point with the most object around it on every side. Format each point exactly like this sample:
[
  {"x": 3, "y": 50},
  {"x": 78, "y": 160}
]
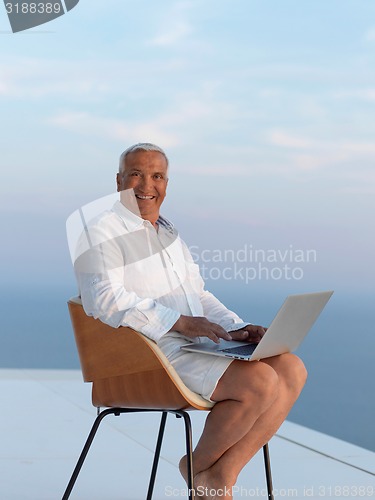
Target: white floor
[{"x": 46, "y": 416}]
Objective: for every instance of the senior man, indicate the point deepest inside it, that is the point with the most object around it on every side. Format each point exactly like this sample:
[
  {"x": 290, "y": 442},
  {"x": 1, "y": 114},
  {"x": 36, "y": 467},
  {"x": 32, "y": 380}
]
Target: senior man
[{"x": 140, "y": 274}]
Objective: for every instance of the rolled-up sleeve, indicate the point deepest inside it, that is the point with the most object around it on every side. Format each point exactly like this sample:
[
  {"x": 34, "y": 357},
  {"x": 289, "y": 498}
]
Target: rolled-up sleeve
[
  {"x": 216, "y": 312},
  {"x": 114, "y": 305}
]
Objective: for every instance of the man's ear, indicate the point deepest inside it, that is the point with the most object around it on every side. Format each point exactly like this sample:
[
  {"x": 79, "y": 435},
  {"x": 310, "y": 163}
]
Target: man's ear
[{"x": 118, "y": 183}]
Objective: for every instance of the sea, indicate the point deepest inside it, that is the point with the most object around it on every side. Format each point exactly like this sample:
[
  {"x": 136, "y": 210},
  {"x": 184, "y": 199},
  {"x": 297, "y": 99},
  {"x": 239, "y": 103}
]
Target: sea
[{"x": 338, "y": 399}]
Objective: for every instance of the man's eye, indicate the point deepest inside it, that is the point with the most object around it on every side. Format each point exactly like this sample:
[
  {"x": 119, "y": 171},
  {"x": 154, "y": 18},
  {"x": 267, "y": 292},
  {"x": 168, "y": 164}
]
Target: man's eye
[{"x": 135, "y": 173}]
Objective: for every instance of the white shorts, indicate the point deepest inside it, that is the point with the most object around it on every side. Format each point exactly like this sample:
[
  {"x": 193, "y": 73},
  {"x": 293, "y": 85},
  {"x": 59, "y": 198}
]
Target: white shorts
[{"x": 199, "y": 372}]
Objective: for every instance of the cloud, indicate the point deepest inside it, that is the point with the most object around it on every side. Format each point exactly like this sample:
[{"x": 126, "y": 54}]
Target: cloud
[
  {"x": 306, "y": 153},
  {"x": 172, "y": 35},
  {"x": 364, "y": 94},
  {"x": 42, "y": 78},
  {"x": 83, "y": 123},
  {"x": 347, "y": 163},
  {"x": 358, "y": 190},
  {"x": 5, "y": 88},
  {"x": 175, "y": 26},
  {"x": 87, "y": 81},
  {"x": 288, "y": 140},
  {"x": 285, "y": 139},
  {"x": 298, "y": 155},
  {"x": 317, "y": 160},
  {"x": 370, "y": 35},
  {"x": 189, "y": 118}
]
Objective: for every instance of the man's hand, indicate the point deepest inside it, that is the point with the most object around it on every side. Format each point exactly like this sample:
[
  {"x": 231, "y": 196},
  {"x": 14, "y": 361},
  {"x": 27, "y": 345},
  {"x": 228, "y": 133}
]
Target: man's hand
[
  {"x": 197, "y": 326},
  {"x": 251, "y": 333}
]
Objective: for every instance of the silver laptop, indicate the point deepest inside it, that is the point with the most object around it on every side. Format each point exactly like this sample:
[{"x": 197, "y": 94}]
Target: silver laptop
[{"x": 289, "y": 327}]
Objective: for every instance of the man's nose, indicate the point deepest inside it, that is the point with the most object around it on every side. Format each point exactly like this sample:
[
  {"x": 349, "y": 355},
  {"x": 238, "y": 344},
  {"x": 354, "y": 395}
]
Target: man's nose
[{"x": 146, "y": 183}]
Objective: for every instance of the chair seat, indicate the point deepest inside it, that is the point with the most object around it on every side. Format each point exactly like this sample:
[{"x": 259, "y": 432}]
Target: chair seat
[{"x": 126, "y": 368}]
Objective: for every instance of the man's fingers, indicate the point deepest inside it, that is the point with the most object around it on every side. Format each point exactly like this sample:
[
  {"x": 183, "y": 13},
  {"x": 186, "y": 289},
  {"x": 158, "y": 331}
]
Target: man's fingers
[
  {"x": 213, "y": 337},
  {"x": 201, "y": 327},
  {"x": 217, "y": 334},
  {"x": 224, "y": 335},
  {"x": 244, "y": 333},
  {"x": 256, "y": 329},
  {"x": 220, "y": 332}
]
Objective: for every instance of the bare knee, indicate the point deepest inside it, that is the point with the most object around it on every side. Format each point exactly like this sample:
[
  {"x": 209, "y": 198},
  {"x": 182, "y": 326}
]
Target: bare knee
[
  {"x": 297, "y": 373},
  {"x": 290, "y": 369},
  {"x": 256, "y": 384},
  {"x": 265, "y": 385}
]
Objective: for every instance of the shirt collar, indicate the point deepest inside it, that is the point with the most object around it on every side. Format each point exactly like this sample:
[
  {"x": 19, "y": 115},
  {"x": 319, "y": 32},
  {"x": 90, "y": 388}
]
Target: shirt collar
[
  {"x": 162, "y": 221},
  {"x": 133, "y": 221}
]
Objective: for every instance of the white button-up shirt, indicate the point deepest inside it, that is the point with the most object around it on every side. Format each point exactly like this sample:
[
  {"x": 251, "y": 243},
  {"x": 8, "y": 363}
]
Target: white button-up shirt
[{"x": 131, "y": 275}]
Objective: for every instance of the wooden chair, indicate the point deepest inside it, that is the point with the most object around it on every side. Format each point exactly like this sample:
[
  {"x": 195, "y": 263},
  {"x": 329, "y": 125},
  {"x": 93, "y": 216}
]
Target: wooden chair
[{"x": 129, "y": 373}]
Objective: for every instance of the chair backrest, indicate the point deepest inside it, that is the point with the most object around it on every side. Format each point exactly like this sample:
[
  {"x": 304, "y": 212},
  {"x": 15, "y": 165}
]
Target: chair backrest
[{"x": 126, "y": 368}]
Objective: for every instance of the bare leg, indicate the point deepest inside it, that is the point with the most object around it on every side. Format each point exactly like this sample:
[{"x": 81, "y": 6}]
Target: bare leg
[
  {"x": 292, "y": 377},
  {"x": 253, "y": 399},
  {"x": 245, "y": 391}
]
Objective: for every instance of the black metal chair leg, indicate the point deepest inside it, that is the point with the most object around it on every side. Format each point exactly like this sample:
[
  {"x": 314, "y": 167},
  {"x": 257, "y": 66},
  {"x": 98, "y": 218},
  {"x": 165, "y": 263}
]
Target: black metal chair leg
[
  {"x": 157, "y": 455},
  {"x": 189, "y": 452},
  {"x": 85, "y": 450},
  {"x": 267, "y": 466}
]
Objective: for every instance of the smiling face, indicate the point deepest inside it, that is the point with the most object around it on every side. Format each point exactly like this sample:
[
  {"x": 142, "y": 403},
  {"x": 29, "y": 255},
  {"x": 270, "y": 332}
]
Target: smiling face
[{"x": 147, "y": 173}]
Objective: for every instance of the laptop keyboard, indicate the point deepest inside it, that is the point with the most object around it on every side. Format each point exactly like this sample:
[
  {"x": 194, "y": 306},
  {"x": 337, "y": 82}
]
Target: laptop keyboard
[{"x": 243, "y": 350}]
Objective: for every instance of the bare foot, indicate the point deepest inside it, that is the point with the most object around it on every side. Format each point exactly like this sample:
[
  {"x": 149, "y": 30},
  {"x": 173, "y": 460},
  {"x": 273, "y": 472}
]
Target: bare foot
[
  {"x": 183, "y": 468},
  {"x": 206, "y": 488}
]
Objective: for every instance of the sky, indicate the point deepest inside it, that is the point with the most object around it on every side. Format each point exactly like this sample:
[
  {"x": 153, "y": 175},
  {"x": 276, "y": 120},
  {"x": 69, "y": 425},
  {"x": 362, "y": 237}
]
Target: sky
[{"x": 265, "y": 109}]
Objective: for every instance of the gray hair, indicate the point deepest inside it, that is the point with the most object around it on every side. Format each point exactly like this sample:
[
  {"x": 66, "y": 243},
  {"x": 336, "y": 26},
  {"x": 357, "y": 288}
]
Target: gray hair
[{"x": 141, "y": 146}]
